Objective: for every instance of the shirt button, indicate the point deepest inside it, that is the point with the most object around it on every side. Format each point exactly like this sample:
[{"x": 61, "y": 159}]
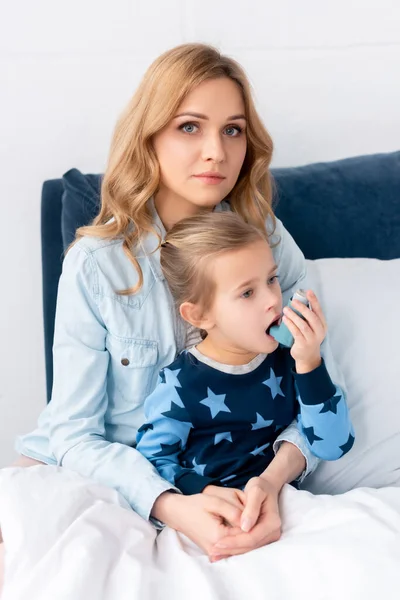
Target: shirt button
[{"x": 125, "y": 362}]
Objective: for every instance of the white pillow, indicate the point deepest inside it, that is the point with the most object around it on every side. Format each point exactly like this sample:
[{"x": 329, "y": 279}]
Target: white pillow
[{"x": 361, "y": 300}]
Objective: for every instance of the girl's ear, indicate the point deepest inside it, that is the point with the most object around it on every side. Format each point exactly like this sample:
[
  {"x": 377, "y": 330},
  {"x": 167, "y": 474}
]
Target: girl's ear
[{"x": 193, "y": 314}]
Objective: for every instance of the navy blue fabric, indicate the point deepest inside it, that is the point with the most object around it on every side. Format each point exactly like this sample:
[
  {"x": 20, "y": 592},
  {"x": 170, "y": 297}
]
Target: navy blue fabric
[
  {"x": 52, "y": 257},
  {"x": 348, "y": 208},
  {"x": 80, "y": 202}
]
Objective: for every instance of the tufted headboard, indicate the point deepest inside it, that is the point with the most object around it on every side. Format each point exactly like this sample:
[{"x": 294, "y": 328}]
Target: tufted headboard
[{"x": 348, "y": 208}]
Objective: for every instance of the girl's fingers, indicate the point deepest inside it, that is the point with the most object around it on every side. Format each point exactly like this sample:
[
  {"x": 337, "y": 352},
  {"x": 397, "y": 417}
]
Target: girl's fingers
[
  {"x": 316, "y": 307},
  {"x": 251, "y": 512},
  {"x": 310, "y": 316},
  {"x": 242, "y": 496},
  {"x": 297, "y": 327}
]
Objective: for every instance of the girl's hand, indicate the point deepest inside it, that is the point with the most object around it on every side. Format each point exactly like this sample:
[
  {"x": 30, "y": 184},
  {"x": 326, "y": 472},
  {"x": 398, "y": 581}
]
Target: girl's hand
[
  {"x": 260, "y": 521},
  {"x": 201, "y": 517},
  {"x": 308, "y": 333}
]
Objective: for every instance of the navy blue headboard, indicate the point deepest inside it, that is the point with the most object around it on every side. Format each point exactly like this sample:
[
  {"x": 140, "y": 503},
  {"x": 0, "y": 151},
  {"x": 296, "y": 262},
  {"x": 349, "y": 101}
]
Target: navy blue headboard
[{"x": 348, "y": 208}]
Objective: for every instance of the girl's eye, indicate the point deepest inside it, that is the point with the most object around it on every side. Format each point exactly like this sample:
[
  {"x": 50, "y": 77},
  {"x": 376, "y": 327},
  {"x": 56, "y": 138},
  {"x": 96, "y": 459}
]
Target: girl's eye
[
  {"x": 188, "y": 127},
  {"x": 273, "y": 280},
  {"x": 247, "y": 294},
  {"x": 233, "y": 130}
]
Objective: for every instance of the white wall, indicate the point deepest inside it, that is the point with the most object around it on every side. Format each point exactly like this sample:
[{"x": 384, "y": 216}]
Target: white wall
[{"x": 326, "y": 76}]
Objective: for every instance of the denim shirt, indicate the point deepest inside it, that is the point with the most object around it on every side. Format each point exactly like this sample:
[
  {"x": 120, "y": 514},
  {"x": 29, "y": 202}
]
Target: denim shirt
[{"x": 108, "y": 350}]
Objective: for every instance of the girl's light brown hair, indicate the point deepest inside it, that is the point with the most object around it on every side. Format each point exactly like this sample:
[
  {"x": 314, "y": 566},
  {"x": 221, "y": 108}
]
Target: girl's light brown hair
[
  {"x": 132, "y": 176},
  {"x": 189, "y": 247}
]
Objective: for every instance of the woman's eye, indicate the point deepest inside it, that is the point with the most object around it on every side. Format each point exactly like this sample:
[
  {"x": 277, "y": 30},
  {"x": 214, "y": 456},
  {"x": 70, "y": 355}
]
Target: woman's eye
[
  {"x": 188, "y": 127},
  {"x": 233, "y": 131},
  {"x": 273, "y": 280},
  {"x": 247, "y": 294}
]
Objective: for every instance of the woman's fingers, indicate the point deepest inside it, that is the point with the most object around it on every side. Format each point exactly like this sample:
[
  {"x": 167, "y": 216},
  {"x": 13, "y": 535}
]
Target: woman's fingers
[
  {"x": 222, "y": 508},
  {"x": 266, "y": 531},
  {"x": 261, "y": 535},
  {"x": 232, "y": 495}
]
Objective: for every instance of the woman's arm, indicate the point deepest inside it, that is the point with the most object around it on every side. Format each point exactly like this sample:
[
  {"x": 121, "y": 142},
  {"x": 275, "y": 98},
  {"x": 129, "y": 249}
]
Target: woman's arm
[
  {"x": 79, "y": 399},
  {"x": 292, "y": 267}
]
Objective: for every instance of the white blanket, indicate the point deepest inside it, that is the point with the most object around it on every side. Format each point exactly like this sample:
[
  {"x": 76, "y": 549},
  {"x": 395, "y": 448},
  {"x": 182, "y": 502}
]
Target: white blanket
[{"x": 69, "y": 538}]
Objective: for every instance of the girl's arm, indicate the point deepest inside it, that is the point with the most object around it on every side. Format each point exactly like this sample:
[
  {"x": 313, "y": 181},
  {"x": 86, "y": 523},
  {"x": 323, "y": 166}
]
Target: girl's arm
[
  {"x": 164, "y": 436},
  {"x": 324, "y": 417},
  {"x": 292, "y": 272}
]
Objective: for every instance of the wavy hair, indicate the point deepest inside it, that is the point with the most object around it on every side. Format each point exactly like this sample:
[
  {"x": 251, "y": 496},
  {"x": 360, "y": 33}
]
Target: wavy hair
[{"x": 132, "y": 175}]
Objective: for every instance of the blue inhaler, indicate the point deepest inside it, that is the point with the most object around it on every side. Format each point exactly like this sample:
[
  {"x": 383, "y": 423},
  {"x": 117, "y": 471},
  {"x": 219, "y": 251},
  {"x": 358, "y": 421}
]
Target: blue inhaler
[{"x": 280, "y": 332}]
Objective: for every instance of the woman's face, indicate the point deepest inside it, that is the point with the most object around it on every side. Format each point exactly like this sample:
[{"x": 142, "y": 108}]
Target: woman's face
[{"x": 201, "y": 151}]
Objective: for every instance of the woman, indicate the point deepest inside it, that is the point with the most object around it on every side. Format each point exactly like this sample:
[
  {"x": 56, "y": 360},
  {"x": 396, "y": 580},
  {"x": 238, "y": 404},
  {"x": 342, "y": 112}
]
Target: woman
[{"x": 189, "y": 139}]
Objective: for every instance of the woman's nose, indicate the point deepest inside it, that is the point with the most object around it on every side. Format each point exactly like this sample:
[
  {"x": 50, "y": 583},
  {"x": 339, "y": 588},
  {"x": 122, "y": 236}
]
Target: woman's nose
[{"x": 213, "y": 148}]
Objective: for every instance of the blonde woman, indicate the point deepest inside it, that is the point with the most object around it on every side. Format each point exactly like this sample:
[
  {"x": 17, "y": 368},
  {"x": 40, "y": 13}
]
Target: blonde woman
[{"x": 189, "y": 140}]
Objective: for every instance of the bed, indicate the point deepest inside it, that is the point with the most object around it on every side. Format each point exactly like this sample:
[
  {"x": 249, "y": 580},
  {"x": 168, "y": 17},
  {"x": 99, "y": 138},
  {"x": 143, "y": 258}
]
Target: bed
[{"x": 69, "y": 538}]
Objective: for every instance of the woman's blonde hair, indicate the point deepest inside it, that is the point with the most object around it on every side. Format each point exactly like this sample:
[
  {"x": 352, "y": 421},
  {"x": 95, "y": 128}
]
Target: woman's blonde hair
[
  {"x": 189, "y": 247},
  {"x": 132, "y": 176}
]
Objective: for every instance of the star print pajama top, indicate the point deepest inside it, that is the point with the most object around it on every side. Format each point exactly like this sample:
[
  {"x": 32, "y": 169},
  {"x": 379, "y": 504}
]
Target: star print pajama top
[{"x": 208, "y": 423}]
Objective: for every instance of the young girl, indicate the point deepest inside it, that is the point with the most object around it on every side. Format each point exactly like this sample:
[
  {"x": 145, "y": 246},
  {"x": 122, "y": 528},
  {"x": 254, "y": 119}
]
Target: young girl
[
  {"x": 220, "y": 406},
  {"x": 189, "y": 140}
]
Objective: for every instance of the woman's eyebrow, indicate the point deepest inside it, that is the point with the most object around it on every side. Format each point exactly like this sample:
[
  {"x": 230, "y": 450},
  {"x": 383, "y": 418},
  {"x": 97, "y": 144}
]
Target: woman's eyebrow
[{"x": 205, "y": 118}]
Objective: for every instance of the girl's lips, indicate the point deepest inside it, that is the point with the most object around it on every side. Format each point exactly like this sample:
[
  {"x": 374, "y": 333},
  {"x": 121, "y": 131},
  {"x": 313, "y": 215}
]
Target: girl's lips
[{"x": 276, "y": 321}]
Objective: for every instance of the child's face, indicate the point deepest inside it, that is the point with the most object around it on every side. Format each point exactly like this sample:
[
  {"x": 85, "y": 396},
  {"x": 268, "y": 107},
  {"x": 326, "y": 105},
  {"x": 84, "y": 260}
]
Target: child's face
[{"x": 248, "y": 299}]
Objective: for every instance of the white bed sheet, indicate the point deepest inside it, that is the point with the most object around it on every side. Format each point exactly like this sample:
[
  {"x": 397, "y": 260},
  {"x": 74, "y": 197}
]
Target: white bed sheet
[{"x": 69, "y": 538}]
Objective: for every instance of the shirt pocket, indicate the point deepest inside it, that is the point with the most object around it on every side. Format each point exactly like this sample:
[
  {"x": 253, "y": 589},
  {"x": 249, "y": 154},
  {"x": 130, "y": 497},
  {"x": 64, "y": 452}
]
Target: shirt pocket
[{"x": 132, "y": 369}]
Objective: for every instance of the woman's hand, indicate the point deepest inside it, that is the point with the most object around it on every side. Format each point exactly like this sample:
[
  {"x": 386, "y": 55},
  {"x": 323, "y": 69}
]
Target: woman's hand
[
  {"x": 201, "y": 517},
  {"x": 260, "y": 520},
  {"x": 308, "y": 333},
  {"x": 232, "y": 495}
]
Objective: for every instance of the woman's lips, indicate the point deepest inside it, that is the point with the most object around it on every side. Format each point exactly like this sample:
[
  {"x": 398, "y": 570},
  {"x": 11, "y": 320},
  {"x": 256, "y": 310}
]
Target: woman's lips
[{"x": 210, "y": 178}]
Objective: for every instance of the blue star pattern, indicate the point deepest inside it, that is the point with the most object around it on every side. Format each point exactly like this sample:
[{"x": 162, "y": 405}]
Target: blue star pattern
[
  {"x": 166, "y": 396},
  {"x": 206, "y": 426},
  {"x": 145, "y": 427},
  {"x": 215, "y": 402},
  {"x": 309, "y": 431},
  {"x": 171, "y": 377},
  {"x": 261, "y": 423},
  {"x": 167, "y": 449},
  {"x": 331, "y": 405},
  {"x": 225, "y": 435},
  {"x": 198, "y": 468},
  {"x": 260, "y": 450},
  {"x": 228, "y": 478},
  {"x": 348, "y": 445},
  {"x": 274, "y": 383}
]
